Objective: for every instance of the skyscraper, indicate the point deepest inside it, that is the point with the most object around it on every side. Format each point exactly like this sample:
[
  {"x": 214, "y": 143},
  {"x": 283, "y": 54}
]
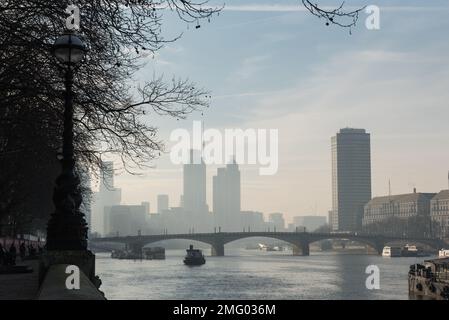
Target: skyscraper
[
  {"x": 107, "y": 175},
  {"x": 106, "y": 197},
  {"x": 162, "y": 202},
  {"x": 351, "y": 178},
  {"x": 226, "y": 197},
  {"x": 194, "y": 194}
]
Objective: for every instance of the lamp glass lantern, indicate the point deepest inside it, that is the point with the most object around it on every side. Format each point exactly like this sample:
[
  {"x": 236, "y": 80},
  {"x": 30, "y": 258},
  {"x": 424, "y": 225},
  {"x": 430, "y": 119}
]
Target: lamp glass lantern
[{"x": 69, "y": 49}]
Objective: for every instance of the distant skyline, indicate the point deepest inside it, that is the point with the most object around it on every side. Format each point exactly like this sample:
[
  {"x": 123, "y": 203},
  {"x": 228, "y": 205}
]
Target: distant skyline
[{"x": 269, "y": 66}]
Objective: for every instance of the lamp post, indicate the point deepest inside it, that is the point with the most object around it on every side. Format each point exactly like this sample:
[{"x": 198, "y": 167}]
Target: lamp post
[{"x": 67, "y": 229}]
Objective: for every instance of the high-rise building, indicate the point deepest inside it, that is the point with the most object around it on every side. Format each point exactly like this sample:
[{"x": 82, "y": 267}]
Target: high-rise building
[
  {"x": 351, "y": 178},
  {"x": 107, "y": 175},
  {"x": 194, "y": 193},
  {"x": 226, "y": 198},
  {"x": 105, "y": 198},
  {"x": 162, "y": 203}
]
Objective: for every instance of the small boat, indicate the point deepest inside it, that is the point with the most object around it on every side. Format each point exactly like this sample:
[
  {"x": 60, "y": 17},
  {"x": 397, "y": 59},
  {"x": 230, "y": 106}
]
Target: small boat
[
  {"x": 194, "y": 257},
  {"x": 410, "y": 251},
  {"x": 443, "y": 253},
  {"x": 270, "y": 248},
  {"x": 153, "y": 253},
  {"x": 391, "y": 251},
  {"x": 125, "y": 254}
]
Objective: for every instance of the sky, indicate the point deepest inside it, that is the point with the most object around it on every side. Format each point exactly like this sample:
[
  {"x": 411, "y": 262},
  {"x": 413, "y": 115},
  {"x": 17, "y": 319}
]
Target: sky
[{"x": 272, "y": 65}]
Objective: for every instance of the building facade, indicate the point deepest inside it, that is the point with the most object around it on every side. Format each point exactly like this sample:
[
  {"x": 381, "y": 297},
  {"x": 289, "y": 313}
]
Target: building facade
[
  {"x": 439, "y": 212},
  {"x": 399, "y": 215},
  {"x": 194, "y": 189},
  {"x": 252, "y": 221},
  {"x": 127, "y": 220},
  {"x": 351, "y": 178},
  {"x": 107, "y": 196},
  {"x": 310, "y": 223},
  {"x": 162, "y": 203},
  {"x": 226, "y": 198},
  {"x": 277, "y": 219}
]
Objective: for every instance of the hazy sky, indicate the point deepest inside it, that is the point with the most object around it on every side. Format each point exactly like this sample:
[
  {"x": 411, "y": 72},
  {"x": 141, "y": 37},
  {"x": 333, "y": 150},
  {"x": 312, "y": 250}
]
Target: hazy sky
[{"x": 270, "y": 64}]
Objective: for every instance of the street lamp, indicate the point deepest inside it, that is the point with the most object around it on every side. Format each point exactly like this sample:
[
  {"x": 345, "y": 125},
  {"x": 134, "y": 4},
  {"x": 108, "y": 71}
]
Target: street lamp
[{"x": 67, "y": 229}]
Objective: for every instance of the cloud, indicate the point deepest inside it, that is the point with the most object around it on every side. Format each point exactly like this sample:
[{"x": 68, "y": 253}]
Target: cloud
[
  {"x": 249, "y": 67},
  {"x": 399, "y": 97},
  {"x": 265, "y": 8}
]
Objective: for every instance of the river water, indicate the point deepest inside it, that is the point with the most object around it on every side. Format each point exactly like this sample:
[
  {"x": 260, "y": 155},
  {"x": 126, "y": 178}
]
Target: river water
[{"x": 254, "y": 274}]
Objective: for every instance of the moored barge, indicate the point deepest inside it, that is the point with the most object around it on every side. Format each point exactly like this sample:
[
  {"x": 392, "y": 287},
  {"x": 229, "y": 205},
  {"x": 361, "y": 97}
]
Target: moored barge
[{"x": 429, "y": 280}]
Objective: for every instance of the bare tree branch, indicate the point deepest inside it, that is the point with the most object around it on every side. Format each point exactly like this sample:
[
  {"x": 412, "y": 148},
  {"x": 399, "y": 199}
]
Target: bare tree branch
[{"x": 337, "y": 16}]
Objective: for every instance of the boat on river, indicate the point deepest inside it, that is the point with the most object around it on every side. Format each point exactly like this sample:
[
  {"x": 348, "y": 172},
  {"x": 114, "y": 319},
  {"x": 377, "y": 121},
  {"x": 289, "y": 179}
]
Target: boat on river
[
  {"x": 194, "y": 257},
  {"x": 429, "y": 280}
]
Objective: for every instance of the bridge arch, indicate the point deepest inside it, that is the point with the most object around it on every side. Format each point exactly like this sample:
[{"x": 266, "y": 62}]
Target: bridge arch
[
  {"x": 299, "y": 240},
  {"x": 300, "y": 247},
  {"x": 216, "y": 246},
  {"x": 144, "y": 243},
  {"x": 377, "y": 246}
]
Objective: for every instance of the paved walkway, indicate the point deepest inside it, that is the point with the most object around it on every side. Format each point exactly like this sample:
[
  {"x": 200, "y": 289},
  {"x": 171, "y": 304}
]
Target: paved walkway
[{"x": 21, "y": 286}]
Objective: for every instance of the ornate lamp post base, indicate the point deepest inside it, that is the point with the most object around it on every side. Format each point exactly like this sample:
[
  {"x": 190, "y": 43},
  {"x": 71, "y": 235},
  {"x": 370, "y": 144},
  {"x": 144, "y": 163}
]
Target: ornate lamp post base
[
  {"x": 67, "y": 229},
  {"x": 84, "y": 259}
]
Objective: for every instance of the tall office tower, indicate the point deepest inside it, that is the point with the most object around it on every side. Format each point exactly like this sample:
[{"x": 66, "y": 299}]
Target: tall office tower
[
  {"x": 162, "y": 202},
  {"x": 194, "y": 193},
  {"x": 351, "y": 178},
  {"x": 226, "y": 197},
  {"x": 107, "y": 176},
  {"x": 105, "y": 198}
]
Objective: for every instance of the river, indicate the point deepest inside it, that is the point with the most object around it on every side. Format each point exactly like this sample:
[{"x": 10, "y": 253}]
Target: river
[{"x": 254, "y": 274}]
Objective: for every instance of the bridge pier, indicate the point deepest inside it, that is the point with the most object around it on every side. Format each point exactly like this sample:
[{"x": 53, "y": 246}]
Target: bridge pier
[
  {"x": 301, "y": 249},
  {"x": 217, "y": 250},
  {"x": 379, "y": 247}
]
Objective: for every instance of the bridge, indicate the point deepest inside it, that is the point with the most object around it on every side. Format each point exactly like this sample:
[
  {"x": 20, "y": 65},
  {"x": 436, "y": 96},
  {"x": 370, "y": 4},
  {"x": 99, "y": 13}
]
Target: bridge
[{"x": 300, "y": 241}]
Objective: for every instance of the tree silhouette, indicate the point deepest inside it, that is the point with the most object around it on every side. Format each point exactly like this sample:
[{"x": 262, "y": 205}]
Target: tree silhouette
[
  {"x": 120, "y": 35},
  {"x": 336, "y": 16}
]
